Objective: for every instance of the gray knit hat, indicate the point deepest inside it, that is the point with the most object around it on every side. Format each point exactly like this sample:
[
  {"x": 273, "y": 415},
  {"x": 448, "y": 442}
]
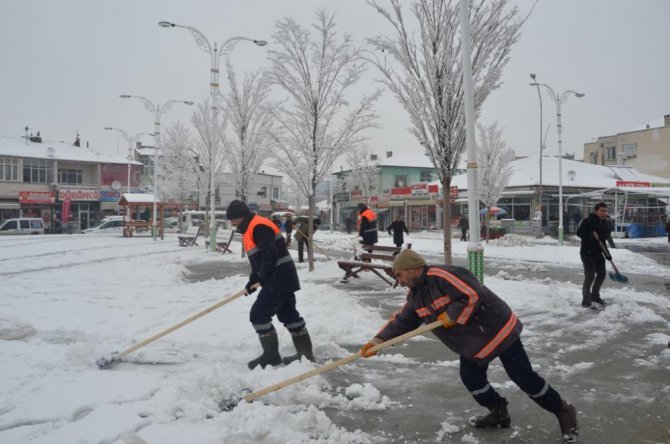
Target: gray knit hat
[{"x": 408, "y": 259}]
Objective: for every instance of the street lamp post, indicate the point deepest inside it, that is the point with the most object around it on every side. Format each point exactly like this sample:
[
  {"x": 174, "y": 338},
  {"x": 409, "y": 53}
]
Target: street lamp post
[
  {"x": 157, "y": 110},
  {"x": 539, "y": 190},
  {"x": 215, "y": 54},
  {"x": 559, "y": 99}
]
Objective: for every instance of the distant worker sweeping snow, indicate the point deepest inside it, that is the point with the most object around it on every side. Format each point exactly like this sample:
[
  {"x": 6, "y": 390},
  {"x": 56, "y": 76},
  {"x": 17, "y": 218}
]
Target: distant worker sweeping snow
[
  {"x": 479, "y": 327},
  {"x": 593, "y": 255},
  {"x": 272, "y": 267}
]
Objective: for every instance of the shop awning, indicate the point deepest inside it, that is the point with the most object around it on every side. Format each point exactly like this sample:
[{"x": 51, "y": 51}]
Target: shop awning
[{"x": 10, "y": 206}]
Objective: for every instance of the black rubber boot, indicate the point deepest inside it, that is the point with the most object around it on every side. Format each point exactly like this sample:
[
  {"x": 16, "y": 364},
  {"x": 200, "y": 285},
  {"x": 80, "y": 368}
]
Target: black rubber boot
[
  {"x": 586, "y": 303},
  {"x": 567, "y": 420},
  {"x": 303, "y": 345},
  {"x": 270, "y": 355},
  {"x": 498, "y": 416},
  {"x": 598, "y": 300}
]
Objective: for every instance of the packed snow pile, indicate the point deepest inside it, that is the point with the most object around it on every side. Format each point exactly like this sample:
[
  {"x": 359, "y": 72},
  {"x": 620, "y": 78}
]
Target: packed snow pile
[
  {"x": 511, "y": 240},
  {"x": 12, "y": 330}
]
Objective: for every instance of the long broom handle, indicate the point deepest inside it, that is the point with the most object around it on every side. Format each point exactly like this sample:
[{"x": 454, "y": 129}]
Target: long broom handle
[
  {"x": 182, "y": 323},
  {"x": 272, "y": 388},
  {"x": 314, "y": 243}
]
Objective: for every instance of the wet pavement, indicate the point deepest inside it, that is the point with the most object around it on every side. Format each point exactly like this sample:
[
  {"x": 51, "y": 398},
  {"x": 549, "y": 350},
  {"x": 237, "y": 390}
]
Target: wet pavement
[{"x": 621, "y": 398}]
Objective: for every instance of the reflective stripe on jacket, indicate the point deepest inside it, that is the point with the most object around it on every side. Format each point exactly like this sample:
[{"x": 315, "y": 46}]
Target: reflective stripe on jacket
[{"x": 485, "y": 324}]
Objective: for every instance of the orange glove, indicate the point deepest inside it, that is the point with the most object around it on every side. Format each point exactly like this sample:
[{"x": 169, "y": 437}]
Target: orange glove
[
  {"x": 446, "y": 320},
  {"x": 364, "y": 350}
]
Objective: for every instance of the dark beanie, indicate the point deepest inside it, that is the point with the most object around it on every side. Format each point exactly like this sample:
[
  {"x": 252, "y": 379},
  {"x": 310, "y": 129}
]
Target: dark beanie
[
  {"x": 361, "y": 206},
  {"x": 408, "y": 259},
  {"x": 236, "y": 209}
]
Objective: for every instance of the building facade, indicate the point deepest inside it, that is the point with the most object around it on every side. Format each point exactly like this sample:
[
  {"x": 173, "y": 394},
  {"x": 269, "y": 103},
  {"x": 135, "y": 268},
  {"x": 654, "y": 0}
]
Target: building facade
[
  {"x": 647, "y": 149},
  {"x": 38, "y": 176}
]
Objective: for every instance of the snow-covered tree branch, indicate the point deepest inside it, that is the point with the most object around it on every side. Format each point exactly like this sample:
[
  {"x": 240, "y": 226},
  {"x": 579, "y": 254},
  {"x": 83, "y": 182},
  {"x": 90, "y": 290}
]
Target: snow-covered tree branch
[
  {"x": 364, "y": 170},
  {"x": 251, "y": 122},
  {"x": 424, "y": 71},
  {"x": 316, "y": 123},
  {"x": 180, "y": 169}
]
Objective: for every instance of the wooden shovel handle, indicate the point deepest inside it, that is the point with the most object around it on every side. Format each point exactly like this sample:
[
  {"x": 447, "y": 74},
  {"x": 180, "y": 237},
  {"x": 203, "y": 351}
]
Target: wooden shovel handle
[
  {"x": 181, "y": 324},
  {"x": 317, "y": 371}
]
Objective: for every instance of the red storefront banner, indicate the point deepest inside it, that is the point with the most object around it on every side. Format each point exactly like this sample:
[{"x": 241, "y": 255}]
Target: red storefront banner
[
  {"x": 401, "y": 191},
  {"x": 37, "y": 197},
  {"x": 115, "y": 172},
  {"x": 65, "y": 216},
  {"x": 453, "y": 192},
  {"x": 78, "y": 194},
  {"x": 356, "y": 193},
  {"x": 628, "y": 183}
]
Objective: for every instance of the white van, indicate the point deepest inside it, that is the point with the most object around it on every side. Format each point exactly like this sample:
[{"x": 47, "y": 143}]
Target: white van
[
  {"x": 22, "y": 225},
  {"x": 110, "y": 224}
]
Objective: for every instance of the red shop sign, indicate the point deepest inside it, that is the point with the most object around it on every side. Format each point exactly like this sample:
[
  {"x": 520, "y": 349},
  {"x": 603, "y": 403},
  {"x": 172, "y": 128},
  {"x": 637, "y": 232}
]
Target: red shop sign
[{"x": 37, "y": 197}]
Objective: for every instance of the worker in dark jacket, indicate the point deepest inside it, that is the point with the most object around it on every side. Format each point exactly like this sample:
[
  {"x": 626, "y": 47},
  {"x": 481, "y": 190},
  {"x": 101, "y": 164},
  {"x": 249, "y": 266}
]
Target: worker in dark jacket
[
  {"x": 367, "y": 224},
  {"x": 667, "y": 228},
  {"x": 479, "y": 327},
  {"x": 464, "y": 225},
  {"x": 593, "y": 255},
  {"x": 302, "y": 234},
  {"x": 272, "y": 267},
  {"x": 398, "y": 226},
  {"x": 288, "y": 228}
]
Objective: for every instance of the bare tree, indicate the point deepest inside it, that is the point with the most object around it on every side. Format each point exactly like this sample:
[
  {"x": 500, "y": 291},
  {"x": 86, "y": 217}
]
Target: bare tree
[
  {"x": 180, "y": 172},
  {"x": 426, "y": 74},
  {"x": 494, "y": 167},
  {"x": 210, "y": 126},
  {"x": 250, "y": 121},
  {"x": 364, "y": 170},
  {"x": 316, "y": 124}
]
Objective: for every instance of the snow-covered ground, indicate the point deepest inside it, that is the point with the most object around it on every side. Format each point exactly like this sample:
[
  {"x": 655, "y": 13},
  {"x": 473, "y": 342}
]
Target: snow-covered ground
[{"x": 69, "y": 300}]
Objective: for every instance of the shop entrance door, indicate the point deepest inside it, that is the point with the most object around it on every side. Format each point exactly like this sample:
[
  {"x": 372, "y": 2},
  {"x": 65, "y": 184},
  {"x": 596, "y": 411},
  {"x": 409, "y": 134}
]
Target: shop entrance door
[{"x": 83, "y": 217}]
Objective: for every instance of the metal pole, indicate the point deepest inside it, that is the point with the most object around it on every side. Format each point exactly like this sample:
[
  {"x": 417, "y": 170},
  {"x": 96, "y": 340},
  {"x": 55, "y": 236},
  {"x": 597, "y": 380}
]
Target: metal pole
[
  {"x": 157, "y": 132},
  {"x": 560, "y": 172},
  {"x": 475, "y": 250},
  {"x": 332, "y": 218},
  {"x": 214, "y": 90}
]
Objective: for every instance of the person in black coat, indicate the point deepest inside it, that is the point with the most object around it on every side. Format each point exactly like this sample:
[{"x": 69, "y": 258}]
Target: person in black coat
[
  {"x": 464, "y": 225},
  {"x": 398, "y": 226},
  {"x": 667, "y": 230},
  {"x": 273, "y": 268},
  {"x": 592, "y": 254},
  {"x": 288, "y": 227}
]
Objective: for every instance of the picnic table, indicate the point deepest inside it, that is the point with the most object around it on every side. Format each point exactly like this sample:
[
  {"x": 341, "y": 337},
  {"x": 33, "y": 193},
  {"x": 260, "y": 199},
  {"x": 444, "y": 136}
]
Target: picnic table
[{"x": 384, "y": 255}]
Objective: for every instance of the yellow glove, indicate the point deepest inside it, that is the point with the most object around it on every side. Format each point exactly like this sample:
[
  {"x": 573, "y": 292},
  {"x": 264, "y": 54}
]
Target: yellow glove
[
  {"x": 446, "y": 320},
  {"x": 364, "y": 350}
]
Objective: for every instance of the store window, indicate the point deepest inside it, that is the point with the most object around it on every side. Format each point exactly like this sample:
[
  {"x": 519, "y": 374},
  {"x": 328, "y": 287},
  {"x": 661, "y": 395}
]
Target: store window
[
  {"x": 275, "y": 193},
  {"x": 610, "y": 153},
  {"x": 36, "y": 171},
  {"x": 70, "y": 176},
  {"x": 9, "y": 169},
  {"x": 400, "y": 180},
  {"x": 630, "y": 150},
  {"x": 426, "y": 176},
  {"x": 593, "y": 158}
]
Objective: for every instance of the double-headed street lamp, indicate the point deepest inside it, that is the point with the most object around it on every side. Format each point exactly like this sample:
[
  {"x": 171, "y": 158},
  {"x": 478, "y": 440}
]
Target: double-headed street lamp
[
  {"x": 158, "y": 110},
  {"x": 539, "y": 191},
  {"x": 559, "y": 99},
  {"x": 215, "y": 54}
]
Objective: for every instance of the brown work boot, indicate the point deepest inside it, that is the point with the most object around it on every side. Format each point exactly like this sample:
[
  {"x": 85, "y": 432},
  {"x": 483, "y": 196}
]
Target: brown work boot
[
  {"x": 498, "y": 416},
  {"x": 567, "y": 420}
]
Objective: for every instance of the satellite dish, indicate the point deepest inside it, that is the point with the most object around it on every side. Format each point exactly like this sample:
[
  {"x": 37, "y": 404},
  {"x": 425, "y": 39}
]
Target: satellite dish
[
  {"x": 116, "y": 185},
  {"x": 572, "y": 174},
  {"x": 51, "y": 152}
]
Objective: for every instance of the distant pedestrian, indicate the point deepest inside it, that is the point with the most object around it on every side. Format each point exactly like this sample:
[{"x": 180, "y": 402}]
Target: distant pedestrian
[
  {"x": 667, "y": 229},
  {"x": 349, "y": 224},
  {"x": 593, "y": 255},
  {"x": 398, "y": 227},
  {"x": 288, "y": 227},
  {"x": 576, "y": 219},
  {"x": 276, "y": 221},
  {"x": 478, "y": 326},
  {"x": 302, "y": 233},
  {"x": 367, "y": 224},
  {"x": 464, "y": 225}
]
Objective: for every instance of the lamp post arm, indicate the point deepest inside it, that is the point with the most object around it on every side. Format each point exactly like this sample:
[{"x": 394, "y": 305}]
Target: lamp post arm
[
  {"x": 147, "y": 103},
  {"x": 229, "y": 45},
  {"x": 200, "y": 40}
]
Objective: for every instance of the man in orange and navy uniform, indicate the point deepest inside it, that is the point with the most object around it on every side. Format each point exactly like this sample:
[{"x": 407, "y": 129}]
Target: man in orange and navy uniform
[
  {"x": 367, "y": 224},
  {"x": 273, "y": 268},
  {"x": 479, "y": 327}
]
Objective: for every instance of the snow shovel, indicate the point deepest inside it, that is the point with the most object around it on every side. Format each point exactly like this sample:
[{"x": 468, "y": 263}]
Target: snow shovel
[
  {"x": 272, "y": 388},
  {"x": 615, "y": 276},
  {"x": 105, "y": 363}
]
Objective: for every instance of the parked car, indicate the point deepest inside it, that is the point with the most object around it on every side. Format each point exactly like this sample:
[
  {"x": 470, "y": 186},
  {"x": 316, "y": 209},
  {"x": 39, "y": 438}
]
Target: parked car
[
  {"x": 110, "y": 224},
  {"x": 22, "y": 225}
]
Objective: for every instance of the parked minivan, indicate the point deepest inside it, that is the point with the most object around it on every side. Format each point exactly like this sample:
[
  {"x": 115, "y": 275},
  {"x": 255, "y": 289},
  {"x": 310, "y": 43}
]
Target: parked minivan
[{"x": 22, "y": 225}]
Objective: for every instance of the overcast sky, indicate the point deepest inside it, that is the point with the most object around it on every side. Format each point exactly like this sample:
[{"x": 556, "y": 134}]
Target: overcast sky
[{"x": 65, "y": 62}]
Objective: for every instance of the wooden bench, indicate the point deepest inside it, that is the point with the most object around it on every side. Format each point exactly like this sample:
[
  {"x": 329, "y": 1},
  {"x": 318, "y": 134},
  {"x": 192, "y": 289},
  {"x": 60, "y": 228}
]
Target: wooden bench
[
  {"x": 190, "y": 237},
  {"x": 135, "y": 226},
  {"x": 223, "y": 246},
  {"x": 352, "y": 268}
]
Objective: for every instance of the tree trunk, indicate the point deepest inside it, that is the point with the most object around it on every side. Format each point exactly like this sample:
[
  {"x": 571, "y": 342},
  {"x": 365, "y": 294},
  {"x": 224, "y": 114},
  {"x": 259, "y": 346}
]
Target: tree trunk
[
  {"x": 446, "y": 219},
  {"x": 310, "y": 232}
]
